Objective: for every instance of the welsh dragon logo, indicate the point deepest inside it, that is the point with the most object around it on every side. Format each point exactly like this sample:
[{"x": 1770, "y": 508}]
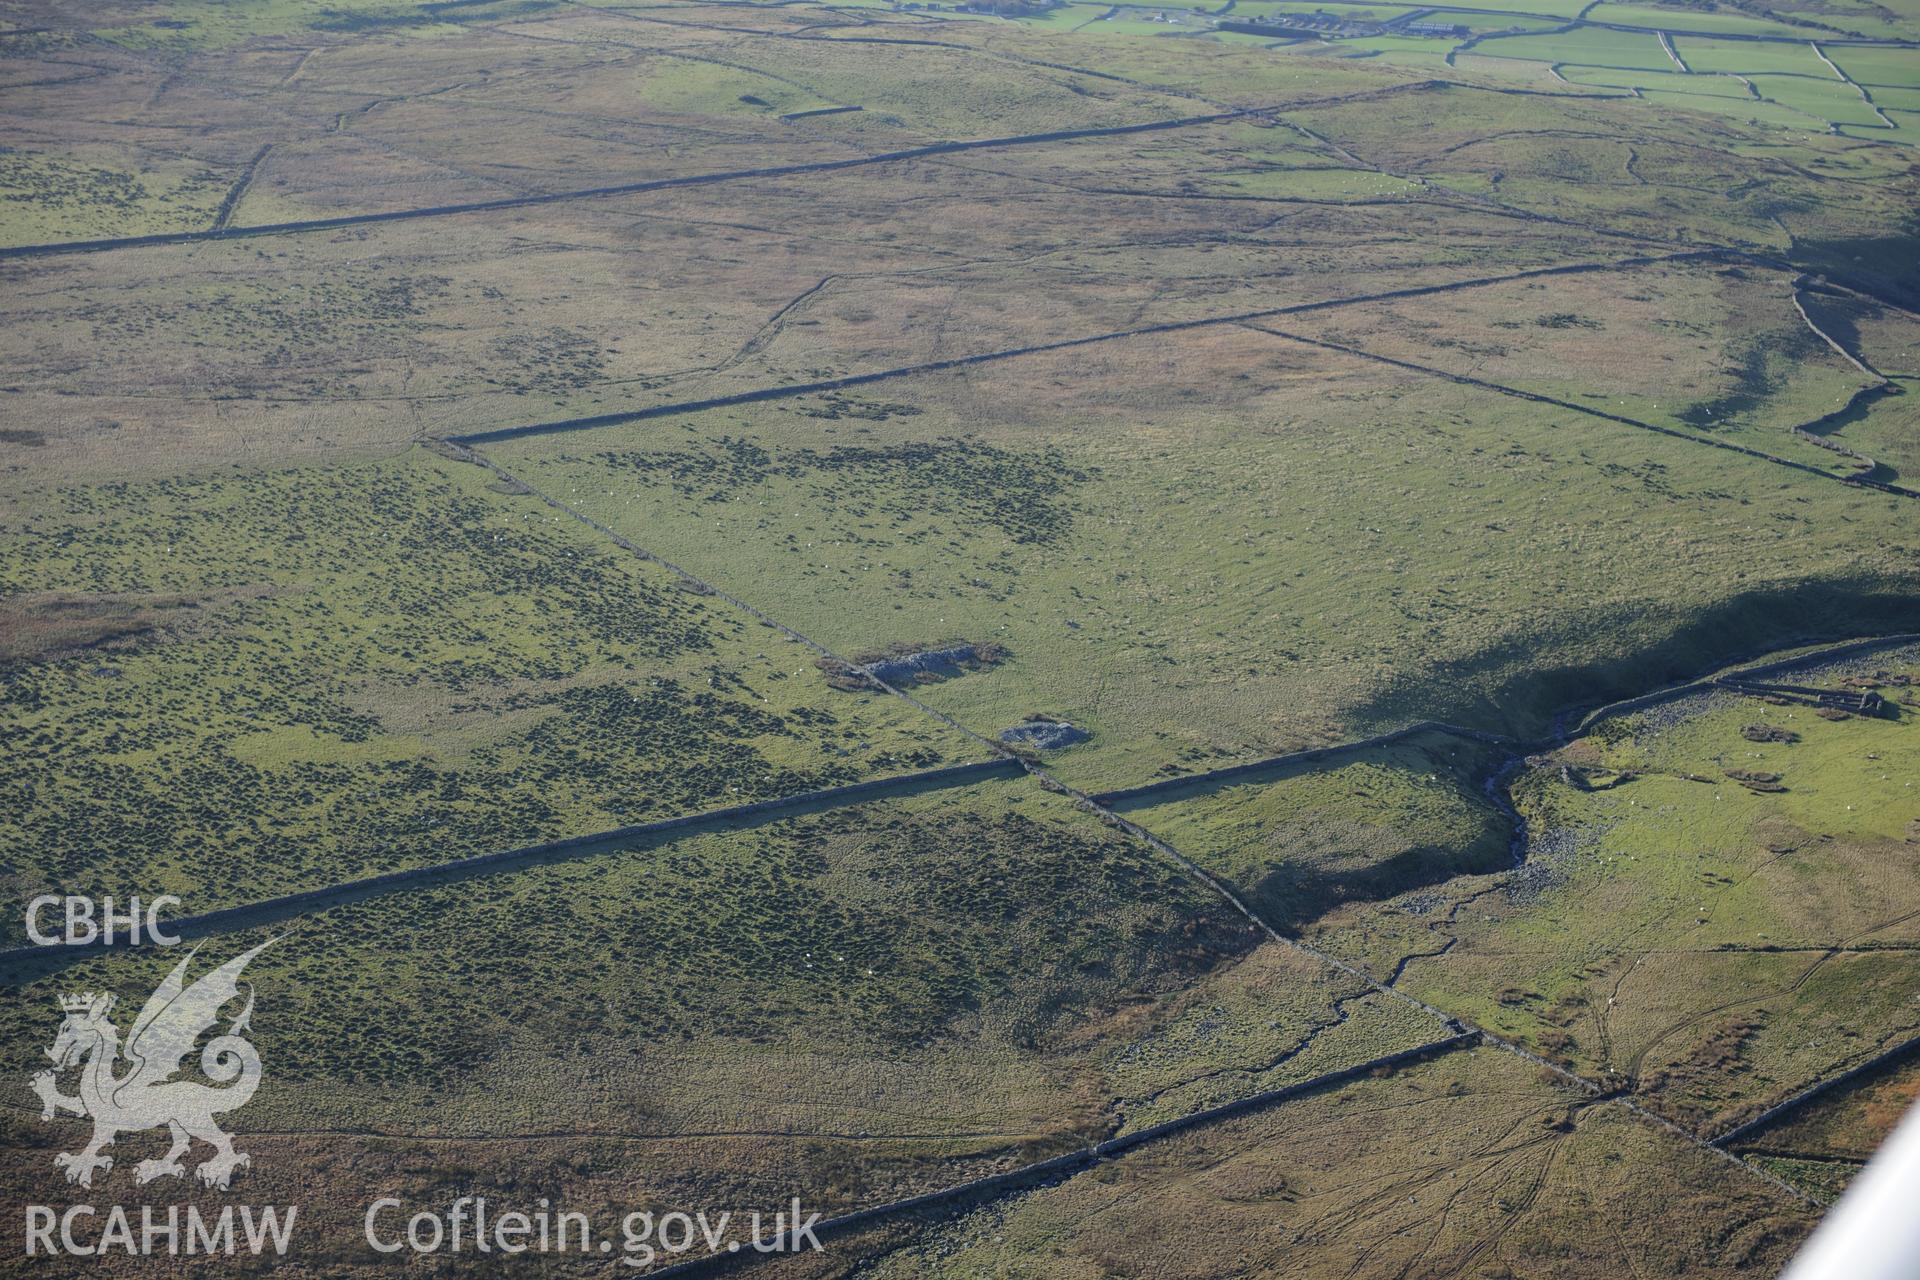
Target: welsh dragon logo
[{"x": 146, "y": 1095}]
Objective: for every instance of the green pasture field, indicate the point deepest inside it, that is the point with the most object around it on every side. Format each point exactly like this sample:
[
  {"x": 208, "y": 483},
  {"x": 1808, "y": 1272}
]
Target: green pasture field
[
  {"x": 1702, "y": 93},
  {"x": 1216, "y": 69},
  {"x": 1827, "y": 99},
  {"x": 1128, "y": 21},
  {"x": 1587, "y": 46},
  {"x": 1563, "y": 9},
  {"x": 1750, "y": 58},
  {"x": 1670, "y": 86},
  {"x": 1410, "y": 51},
  {"x": 1719, "y": 93},
  {"x": 1358, "y": 12},
  {"x": 1494, "y": 69},
  {"x": 1878, "y": 68},
  {"x": 1229, "y": 38},
  {"x": 1897, "y": 100},
  {"x": 1479, "y": 23},
  {"x": 1668, "y": 930},
  {"x": 1690, "y": 18},
  {"x": 1896, "y": 20},
  {"x": 1746, "y": 110},
  {"x": 1496, "y": 22},
  {"x": 237, "y": 687}
]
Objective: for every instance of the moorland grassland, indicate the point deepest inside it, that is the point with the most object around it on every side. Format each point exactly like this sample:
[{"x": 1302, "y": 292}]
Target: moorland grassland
[{"x": 431, "y": 429}]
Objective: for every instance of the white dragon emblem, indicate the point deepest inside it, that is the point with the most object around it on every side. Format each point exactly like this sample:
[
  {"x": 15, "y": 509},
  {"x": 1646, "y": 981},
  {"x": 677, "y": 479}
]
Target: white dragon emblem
[{"x": 147, "y": 1095}]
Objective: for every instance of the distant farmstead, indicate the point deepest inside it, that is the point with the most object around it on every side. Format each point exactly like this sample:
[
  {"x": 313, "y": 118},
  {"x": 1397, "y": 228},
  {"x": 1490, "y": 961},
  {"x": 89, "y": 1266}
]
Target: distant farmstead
[
  {"x": 1302, "y": 24},
  {"x": 1322, "y": 23}
]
